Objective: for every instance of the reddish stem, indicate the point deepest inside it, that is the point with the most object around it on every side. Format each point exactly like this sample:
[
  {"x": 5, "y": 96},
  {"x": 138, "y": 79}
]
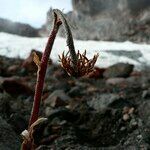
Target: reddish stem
[{"x": 42, "y": 71}]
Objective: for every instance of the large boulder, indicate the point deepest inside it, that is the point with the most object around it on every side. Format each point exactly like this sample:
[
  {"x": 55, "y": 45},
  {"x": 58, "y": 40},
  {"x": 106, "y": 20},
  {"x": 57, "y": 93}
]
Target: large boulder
[
  {"x": 100, "y": 17},
  {"x": 117, "y": 20},
  {"x": 96, "y": 7}
]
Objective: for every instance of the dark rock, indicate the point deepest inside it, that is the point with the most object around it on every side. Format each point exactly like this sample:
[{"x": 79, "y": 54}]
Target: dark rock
[
  {"x": 16, "y": 87},
  {"x": 146, "y": 135},
  {"x": 57, "y": 98},
  {"x": 17, "y": 28},
  {"x": 3, "y": 69},
  {"x": 10, "y": 66},
  {"x": 56, "y": 73},
  {"x": 63, "y": 85},
  {"x": 63, "y": 114},
  {"x": 121, "y": 103},
  {"x": 144, "y": 112},
  {"x": 75, "y": 91},
  {"x": 108, "y": 100},
  {"x": 8, "y": 138},
  {"x": 118, "y": 70},
  {"x": 18, "y": 122},
  {"x": 13, "y": 69},
  {"x": 5, "y": 106},
  {"x": 146, "y": 94},
  {"x": 60, "y": 74}
]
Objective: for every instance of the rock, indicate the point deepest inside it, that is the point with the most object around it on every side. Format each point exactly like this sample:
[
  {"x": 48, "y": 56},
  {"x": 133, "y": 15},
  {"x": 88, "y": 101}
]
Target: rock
[
  {"x": 9, "y": 139},
  {"x": 16, "y": 87},
  {"x": 57, "y": 98},
  {"x": 48, "y": 111},
  {"x": 146, "y": 94},
  {"x": 102, "y": 101},
  {"x": 108, "y": 100},
  {"x": 18, "y": 122},
  {"x": 76, "y": 91},
  {"x": 126, "y": 117},
  {"x": 128, "y": 110},
  {"x": 100, "y": 17},
  {"x": 5, "y": 106},
  {"x": 1, "y": 71},
  {"x": 144, "y": 112},
  {"x": 115, "y": 81},
  {"x": 146, "y": 135},
  {"x": 17, "y": 28},
  {"x": 63, "y": 114},
  {"x": 60, "y": 74},
  {"x": 63, "y": 85},
  {"x": 118, "y": 70},
  {"x": 105, "y": 19},
  {"x": 145, "y": 17},
  {"x": 127, "y": 113},
  {"x": 12, "y": 69},
  {"x": 133, "y": 124},
  {"x": 28, "y": 63}
]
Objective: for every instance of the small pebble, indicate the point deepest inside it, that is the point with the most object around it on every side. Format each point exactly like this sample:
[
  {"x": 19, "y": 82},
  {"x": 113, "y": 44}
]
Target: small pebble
[{"x": 126, "y": 117}]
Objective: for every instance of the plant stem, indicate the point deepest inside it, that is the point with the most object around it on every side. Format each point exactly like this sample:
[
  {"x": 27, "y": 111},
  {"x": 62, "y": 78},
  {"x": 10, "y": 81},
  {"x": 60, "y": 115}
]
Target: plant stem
[
  {"x": 42, "y": 71},
  {"x": 69, "y": 37}
]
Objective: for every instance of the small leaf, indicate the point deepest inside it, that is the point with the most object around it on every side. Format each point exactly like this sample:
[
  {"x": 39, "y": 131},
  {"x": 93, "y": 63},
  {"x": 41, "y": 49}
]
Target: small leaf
[{"x": 36, "y": 59}]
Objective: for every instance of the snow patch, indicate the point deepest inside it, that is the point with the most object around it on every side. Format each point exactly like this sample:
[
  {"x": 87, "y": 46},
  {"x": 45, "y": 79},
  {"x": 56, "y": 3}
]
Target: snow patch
[{"x": 109, "y": 52}]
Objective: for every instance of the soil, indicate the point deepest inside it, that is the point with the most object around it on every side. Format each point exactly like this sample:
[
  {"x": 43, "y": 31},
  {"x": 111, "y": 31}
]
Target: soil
[{"x": 96, "y": 113}]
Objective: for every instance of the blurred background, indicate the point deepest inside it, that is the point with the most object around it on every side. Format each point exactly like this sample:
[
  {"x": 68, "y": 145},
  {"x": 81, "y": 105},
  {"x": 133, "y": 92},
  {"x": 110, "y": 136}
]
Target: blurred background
[
  {"x": 117, "y": 29},
  {"x": 111, "y": 20}
]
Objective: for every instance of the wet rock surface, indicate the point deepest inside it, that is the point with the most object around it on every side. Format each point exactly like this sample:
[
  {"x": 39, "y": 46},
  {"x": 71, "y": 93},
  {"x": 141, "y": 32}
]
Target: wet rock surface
[{"x": 85, "y": 113}]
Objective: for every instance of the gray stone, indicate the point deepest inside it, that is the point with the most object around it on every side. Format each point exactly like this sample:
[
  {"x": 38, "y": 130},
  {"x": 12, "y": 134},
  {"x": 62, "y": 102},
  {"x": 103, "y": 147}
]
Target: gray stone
[
  {"x": 8, "y": 138},
  {"x": 57, "y": 98},
  {"x": 146, "y": 94},
  {"x": 115, "y": 81},
  {"x": 144, "y": 112},
  {"x": 102, "y": 101},
  {"x": 118, "y": 70},
  {"x": 75, "y": 91}
]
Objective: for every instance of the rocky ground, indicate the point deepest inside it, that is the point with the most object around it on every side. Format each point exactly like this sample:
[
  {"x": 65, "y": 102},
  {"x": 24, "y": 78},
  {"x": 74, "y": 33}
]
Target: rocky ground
[{"x": 109, "y": 110}]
